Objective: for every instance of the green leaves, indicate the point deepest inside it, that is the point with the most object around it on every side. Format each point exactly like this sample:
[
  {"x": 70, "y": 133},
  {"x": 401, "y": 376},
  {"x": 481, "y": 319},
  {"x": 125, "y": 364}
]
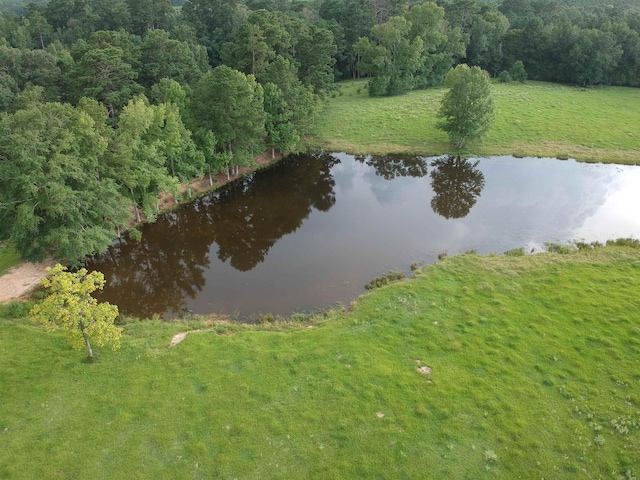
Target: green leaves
[
  {"x": 393, "y": 59},
  {"x": 52, "y": 198},
  {"x": 466, "y": 111},
  {"x": 230, "y": 104},
  {"x": 71, "y": 307}
]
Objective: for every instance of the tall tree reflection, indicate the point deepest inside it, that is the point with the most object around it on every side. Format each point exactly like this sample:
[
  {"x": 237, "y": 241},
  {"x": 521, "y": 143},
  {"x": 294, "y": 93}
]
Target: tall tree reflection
[
  {"x": 392, "y": 166},
  {"x": 157, "y": 274},
  {"x": 252, "y": 216},
  {"x": 457, "y": 183}
]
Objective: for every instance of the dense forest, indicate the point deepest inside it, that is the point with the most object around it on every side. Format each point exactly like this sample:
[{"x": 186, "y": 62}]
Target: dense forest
[{"x": 106, "y": 103}]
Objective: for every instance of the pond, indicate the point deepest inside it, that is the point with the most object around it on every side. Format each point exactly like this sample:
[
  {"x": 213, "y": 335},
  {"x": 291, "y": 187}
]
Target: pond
[{"x": 313, "y": 230}]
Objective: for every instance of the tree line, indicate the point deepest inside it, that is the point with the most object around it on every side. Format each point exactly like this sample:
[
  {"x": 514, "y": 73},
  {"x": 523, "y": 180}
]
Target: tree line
[{"x": 106, "y": 103}]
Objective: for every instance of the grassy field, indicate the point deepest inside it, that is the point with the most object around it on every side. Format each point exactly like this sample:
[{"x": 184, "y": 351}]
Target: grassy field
[
  {"x": 534, "y": 119},
  {"x": 535, "y": 373}
]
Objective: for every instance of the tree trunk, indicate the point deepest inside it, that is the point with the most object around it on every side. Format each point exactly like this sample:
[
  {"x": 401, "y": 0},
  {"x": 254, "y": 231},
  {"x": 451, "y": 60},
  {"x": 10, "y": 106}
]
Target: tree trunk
[
  {"x": 253, "y": 61},
  {"x": 273, "y": 153},
  {"x": 135, "y": 207},
  {"x": 86, "y": 340},
  {"x": 41, "y": 41},
  {"x": 137, "y": 212},
  {"x": 88, "y": 345},
  {"x": 210, "y": 179}
]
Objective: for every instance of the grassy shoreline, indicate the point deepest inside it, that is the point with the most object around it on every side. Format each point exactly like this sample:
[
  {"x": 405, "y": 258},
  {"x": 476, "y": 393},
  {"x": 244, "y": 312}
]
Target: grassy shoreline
[
  {"x": 534, "y": 372},
  {"x": 533, "y": 119}
]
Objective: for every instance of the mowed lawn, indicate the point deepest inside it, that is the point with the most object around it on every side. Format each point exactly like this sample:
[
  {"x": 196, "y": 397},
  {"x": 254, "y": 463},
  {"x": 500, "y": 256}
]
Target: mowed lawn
[
  {"x": 532, "y": 119},
  {"x": 535, "y": 373}
]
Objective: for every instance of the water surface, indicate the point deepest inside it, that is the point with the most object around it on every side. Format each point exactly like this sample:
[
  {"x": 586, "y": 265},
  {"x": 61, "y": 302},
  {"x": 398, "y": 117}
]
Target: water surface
[{"x": 312, "y": 230}]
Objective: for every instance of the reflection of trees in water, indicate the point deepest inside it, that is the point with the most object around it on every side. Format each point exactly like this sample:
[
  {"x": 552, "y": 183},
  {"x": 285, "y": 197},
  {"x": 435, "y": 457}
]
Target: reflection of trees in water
[
  {"x": 252, "y": 216},
  {"x": 457, "y": 184},
  {"x": 158, "y": 273},
  {"x": 392, "y": 166}
]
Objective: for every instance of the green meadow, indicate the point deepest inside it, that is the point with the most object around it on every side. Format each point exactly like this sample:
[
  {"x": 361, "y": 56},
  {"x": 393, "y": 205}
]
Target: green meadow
[
  {"x": 533, "y": 372},
  {"x": 532, "y": 119}
]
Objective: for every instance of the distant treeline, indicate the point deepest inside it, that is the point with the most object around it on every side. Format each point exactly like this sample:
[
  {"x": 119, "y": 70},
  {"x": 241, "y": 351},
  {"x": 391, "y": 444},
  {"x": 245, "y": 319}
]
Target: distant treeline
[{"x": 106, "y": 103}]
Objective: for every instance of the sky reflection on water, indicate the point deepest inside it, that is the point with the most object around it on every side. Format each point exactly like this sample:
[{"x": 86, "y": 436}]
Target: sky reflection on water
[{"x": 312, "y": 231}]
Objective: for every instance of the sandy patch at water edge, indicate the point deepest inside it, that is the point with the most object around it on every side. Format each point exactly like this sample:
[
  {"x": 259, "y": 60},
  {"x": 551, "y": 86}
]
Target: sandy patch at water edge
[{"x": 21, "y": 279}]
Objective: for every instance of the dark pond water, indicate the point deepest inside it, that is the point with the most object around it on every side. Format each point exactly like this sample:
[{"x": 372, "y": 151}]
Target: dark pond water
[{"x": 313, "y": 230}]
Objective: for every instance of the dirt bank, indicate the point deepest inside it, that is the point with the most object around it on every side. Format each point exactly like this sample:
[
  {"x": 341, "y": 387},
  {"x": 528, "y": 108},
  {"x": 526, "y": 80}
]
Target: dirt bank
[{"x": 21, "y": 279}]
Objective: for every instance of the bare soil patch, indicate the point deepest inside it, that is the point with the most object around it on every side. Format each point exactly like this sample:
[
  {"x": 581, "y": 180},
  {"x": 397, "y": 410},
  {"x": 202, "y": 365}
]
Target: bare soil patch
[
  {"x": 22, "y": 279},
  {"x": 200, "y": 186},
  {"x": 180, "y": 336}
]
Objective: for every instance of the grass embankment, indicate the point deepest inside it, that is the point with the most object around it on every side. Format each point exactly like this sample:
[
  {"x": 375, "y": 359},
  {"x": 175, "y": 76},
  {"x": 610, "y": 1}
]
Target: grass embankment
[
  {"x": 532, "y": 119},
  {"x": 535, "y": 373}
]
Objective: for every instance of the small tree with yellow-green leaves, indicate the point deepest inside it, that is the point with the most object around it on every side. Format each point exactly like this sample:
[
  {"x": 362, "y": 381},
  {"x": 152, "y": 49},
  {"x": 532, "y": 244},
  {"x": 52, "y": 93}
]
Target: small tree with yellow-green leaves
[{"x": 71, "y": 307}]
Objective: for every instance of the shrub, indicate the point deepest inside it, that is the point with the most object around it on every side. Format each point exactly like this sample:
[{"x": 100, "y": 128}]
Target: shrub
[
  {"x": 504, "y": 77},
  {"x": 266, "y": 318},
  {"x": 16, "y": 309},
  {"x": 390, "y": 277},
  {"x": 559, "y": 248},
  {"x": 517, "y": 72},
  {"x": 135, "y": 234},
  {"x": 624, "y": 242}
]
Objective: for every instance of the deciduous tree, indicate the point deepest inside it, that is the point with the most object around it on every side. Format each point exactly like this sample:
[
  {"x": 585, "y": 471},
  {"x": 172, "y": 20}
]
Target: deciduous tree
[
  {"x": 230, "y": 104},
  {"x": 392, "y": 59},
  {"x": 71, "y": 307},
  {"x": 466, "y": 111},
  {"x": 53, "y": 199}
]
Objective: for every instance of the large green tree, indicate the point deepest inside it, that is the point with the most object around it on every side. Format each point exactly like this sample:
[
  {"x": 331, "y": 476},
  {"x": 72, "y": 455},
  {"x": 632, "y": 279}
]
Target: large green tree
[
  {"x": 21, "y": 67},
  {"x": 163, "y": 57},
  {"x": 392, "y": 58},
  {"x": 230, "y": 104},
  {"x": 53, "y": 199},
  {"x": 467, "y": 111},
  {"x": 214, "y": 22},
  {"x": 281, "y": 131},
  {"x": 443, "y": 45},
  {"x": 149, "y": 14},
  {"x": 107, "y": 69},
  {"x": 137, "y": 157}
]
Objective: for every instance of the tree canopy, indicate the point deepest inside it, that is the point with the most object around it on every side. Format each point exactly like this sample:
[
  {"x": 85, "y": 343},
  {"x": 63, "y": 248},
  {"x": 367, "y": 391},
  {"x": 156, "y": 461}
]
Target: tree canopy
[
  {"x": 53, "y": 200},
  {"x": 70, "y": 306},
  {"x": 466, "y": 112},
  {"x": 106, "y": 103}
]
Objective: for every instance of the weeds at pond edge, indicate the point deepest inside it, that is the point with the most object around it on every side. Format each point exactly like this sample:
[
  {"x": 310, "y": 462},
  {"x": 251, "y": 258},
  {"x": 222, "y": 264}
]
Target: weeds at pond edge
[
  {"x": 573, "y": 246},
  {"x": 391, "y": 277}
]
